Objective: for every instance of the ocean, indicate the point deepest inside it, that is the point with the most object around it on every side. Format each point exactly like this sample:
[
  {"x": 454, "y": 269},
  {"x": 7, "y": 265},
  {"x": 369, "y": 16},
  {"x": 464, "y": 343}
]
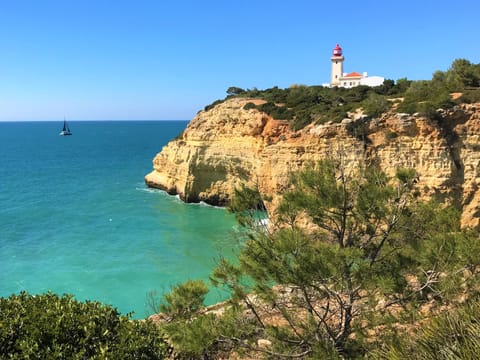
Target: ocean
[{"x": 77, "y": 218}]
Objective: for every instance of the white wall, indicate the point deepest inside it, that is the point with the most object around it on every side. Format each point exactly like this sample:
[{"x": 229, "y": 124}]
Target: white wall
[{"x": 372, "y": 81}]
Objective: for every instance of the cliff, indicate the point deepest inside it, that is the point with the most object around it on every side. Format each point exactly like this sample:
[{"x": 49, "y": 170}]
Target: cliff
[{"x": 228, "y": 146}]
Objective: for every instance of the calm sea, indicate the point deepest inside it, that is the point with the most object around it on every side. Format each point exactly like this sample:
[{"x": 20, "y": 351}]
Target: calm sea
[{"x": 77, "y": 218}]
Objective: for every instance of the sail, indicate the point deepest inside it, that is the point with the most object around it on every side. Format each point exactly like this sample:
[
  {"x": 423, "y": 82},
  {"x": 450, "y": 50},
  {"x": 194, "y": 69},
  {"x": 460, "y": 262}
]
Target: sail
[{"x": 66, "y": 129}]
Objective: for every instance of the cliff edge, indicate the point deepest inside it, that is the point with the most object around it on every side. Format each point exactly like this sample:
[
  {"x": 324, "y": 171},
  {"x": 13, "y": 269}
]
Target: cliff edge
[{"x": 227, "y": 146}]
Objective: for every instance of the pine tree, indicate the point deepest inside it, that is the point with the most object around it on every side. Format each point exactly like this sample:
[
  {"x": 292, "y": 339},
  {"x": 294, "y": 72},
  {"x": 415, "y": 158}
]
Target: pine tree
[{"x": 369, "y": 258}]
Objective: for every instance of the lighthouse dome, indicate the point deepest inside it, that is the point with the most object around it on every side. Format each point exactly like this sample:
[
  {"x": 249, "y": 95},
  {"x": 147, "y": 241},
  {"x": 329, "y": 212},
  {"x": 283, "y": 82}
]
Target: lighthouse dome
[{"x": 337, "y": 51}]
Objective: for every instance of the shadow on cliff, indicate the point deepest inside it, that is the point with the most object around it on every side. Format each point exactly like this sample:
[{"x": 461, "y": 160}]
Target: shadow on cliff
[{"x": 447, "y": 123}]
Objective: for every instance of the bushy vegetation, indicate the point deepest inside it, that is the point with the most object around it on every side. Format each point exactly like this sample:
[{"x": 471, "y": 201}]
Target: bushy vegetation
[
  {"x": 302, "y": 105},
  {"x": 49, "y": 326},
  {"x": 451, "y": 335},
  {"x": 361, "y": 277},
  {"x": 427, "y": 96}
]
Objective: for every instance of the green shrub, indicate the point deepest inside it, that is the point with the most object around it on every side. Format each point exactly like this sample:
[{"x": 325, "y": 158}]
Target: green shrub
[
  {"x": 470, "y": 96},
  {"x": 212, "y": 105},
  {"x": 184, "y": 299},
  {"x": 233, "y": 90},
  {"x": 375, "y": 105},
  {"x": 302, "y": 119},
  {"x": 425, "y": 97},
  {"x": 52, "y": 327},
  {"x": 277, "y": 112},
  {"x": 391, "y": 135},
  {"x": 209, "y": 336},
  {"x": 249, "y": 106}
]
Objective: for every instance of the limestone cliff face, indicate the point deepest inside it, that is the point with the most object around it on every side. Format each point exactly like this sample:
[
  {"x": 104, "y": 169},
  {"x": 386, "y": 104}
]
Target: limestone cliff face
[{"x": 228, "y": 146}]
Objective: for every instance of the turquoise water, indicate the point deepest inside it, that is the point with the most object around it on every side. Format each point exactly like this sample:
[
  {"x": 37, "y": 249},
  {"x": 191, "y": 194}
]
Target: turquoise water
[{"x": 76, "y": 217}]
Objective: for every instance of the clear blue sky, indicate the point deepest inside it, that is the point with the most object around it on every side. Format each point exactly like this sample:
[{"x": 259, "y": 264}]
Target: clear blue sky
[{"x": 167, "y": 59}]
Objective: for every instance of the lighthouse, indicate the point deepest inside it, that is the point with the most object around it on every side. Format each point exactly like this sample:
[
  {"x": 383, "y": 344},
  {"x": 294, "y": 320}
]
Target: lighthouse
[
  {"x": 341, "y": 79},
  {"x": 337, "y": 66}
]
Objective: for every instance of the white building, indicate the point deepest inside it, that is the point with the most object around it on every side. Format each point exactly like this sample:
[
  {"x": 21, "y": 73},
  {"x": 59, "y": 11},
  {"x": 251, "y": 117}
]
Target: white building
[{"x": 349, "y": 80}]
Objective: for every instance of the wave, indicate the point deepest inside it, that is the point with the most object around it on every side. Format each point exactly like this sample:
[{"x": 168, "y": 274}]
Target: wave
[
  {"x": 263, "y": 222},
  {"x": 177, "y": 197},
  {"x": 155, "y": 191},
  {"x": 147, "y": 189},
  {"x": 203, "y": 203}
]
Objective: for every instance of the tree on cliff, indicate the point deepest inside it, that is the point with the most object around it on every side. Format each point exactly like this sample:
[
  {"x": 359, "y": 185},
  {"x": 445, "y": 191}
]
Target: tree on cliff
[
  {"x": 371, "y": 258},
  {"x": 233, "y": 91}
]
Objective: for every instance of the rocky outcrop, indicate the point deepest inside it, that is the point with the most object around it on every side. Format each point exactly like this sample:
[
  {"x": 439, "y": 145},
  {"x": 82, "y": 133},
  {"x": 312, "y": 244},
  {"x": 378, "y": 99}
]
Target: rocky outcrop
[{"x": 228, "y": 146}]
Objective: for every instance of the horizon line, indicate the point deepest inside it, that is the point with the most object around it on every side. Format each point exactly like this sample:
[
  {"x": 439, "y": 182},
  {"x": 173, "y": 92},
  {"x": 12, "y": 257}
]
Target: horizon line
[{"x": 85, "y": 120}]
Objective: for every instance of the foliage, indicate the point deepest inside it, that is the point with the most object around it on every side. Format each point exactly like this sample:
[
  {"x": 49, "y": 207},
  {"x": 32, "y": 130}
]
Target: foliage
[
  {"x": 245, "y": 204},
  {"x": 249, "y": 106},
  {"x": 373, "y": 256},
  {"x": 279, "y": 112},
  {"x": 463, "y": 74},
  {"x": 402, "y": 85},
  {"x": 184, "y": 299},
  {"x": 375, "y": 105},
  {"x": 470, "y": 95},
  {"x": 452, "y": 335},
  {"x": 58, "y": 327},
  {"x": 193, "y": 331},
  {"x": 302, "y": 105},
  {"x": 387, "y": 88},
  {"x": 233, "y": 90},
  {"x": 212, "y": 105},
  {"x": 210, "y": 336},
  {"x": 427, "y": 96}
]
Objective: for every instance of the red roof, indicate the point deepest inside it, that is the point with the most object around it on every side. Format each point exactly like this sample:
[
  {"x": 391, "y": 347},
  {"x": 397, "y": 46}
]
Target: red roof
[{"x": 354, "y": 74}]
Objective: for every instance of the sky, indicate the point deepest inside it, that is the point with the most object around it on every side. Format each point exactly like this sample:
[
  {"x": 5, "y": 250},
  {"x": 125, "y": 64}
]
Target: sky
[{"x": 167, "y": 59}]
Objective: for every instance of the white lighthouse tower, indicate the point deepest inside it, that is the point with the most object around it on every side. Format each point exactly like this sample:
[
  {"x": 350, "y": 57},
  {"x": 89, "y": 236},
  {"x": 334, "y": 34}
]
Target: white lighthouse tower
[{"x": 337, "y": 66}]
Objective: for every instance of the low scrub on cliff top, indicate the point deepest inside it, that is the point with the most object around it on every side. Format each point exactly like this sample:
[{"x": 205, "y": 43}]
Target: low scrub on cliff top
[{"x": 302, "y": 105}]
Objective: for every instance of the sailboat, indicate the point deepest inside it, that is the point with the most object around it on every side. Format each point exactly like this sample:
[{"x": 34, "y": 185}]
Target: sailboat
[{"x": 66, "y": 130}]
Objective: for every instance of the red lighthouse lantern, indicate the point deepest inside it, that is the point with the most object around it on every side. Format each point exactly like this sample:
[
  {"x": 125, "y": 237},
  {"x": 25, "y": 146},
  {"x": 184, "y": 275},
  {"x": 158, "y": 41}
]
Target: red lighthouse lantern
[{"x": 337, "y": 51}]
